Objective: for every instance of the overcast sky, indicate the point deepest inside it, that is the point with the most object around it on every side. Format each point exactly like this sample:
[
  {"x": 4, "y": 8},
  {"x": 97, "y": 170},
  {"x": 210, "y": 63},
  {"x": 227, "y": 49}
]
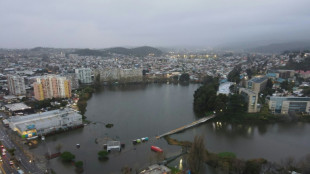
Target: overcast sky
[{"x": 108, "y": 23}]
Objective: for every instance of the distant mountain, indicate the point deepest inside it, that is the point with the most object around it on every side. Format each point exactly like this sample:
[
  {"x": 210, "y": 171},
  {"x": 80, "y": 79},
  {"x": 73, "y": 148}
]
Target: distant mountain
[
  {"x": 281, "y": 47},
  {"x": 89, "y": 52},
  {"x": 119, "y": 50},
  {"x": 139, "y": 51},
  {"x": 264, "y": 47}
]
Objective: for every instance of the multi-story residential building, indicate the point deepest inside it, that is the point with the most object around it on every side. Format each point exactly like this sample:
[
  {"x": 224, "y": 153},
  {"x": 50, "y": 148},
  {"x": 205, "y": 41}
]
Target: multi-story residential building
[
  {"x": 52, "y": 87},
  {"x": 257, "y": 84},
  {"x": 16, "y": 85},
  {"x": 284, "y": 105},
  {"x": 251, "y": 98},
  {"x": 74, "y": 80},
  {"x": 83, "y": 75},
  {"x": 126, "y": 75},
  {"x": 285, "y": 74}
]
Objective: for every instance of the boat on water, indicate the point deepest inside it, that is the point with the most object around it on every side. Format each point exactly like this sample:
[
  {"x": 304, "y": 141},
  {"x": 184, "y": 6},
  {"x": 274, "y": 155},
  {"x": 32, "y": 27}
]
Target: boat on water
[
  {"x": 137, "y": 141},
  {"x": 156, "y": 149}
]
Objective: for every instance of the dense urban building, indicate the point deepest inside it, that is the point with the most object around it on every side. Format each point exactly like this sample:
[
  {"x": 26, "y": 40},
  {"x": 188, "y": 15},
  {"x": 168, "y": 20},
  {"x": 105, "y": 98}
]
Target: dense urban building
[
  {"x": 52, "y": 86},
  {"x": 84, "y": 75},
  {"x": 16, "y": 85},
  {"x": 285, "y": 105},
  {"x": 124, "y": 75}
]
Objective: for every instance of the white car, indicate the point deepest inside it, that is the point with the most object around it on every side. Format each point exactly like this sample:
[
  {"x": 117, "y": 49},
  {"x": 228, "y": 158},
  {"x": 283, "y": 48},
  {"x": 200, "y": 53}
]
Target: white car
[{"x": 3, "y": 152}]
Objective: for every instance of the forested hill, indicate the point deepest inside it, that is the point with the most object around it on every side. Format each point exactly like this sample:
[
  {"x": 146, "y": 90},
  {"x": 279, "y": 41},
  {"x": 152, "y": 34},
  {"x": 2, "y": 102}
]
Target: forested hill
[
  {"x": 138, "y": 52},
  {"x": 303, "y": 65}
]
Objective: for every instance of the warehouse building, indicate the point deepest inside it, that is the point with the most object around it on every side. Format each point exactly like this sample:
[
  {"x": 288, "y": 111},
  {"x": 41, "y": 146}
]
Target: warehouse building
[{"x": 31, "y": 126}]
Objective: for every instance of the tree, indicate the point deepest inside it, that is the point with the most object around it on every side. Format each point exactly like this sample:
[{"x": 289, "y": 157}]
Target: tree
[
  {"x": 103, "y": 155},
  {"x": 234, "y": 75},
  {"x": 184, "y": 77},
  {"x": 67, "y": 156},
  {"x": 126, "y": 170},
  {"x": 288, "y": 86},
  {"x": 58, "y": 147},
  {"x": 254, "y": 166},
  {"x": 306, "y": 91},
  {"x": 79, "y": 164},
  {"x": 269, "y": 84},
  {"x": 97, "y": 83},
  {"x": 197, "y": 155},
  {"x": 12, "y": 151},
  {"x": 205, "y": 96},
  {"x": 249, "y": 73}
]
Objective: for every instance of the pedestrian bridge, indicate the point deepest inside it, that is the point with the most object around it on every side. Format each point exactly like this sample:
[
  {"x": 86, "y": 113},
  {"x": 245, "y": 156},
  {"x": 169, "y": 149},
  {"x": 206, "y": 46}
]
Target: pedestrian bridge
[{"x": 202, "y": 120}]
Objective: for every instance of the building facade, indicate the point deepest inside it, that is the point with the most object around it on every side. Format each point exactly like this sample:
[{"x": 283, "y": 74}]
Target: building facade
[
  {"x": 251, "y": 98},
  {"x": 123, "y": 75},
  {"x": 84, "y": 75},
  {"x": 285, "y": 105},
  {"x": 16, "y": 85},
  {"x": 74, "y": 80},
  {"x": 31, "y": 126},
  {"x": 51, "y": 87}
]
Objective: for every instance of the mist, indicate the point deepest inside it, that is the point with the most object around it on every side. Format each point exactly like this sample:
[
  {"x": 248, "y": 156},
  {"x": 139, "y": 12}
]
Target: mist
[{"x": 161, "y": 23}]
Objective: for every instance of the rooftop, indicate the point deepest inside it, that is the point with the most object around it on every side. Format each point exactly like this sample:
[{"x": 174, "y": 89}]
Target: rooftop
[
  {"x": 156, "y": 169},
  {"x": 40, "y": 115},
  {"x": 17, "y": 107},
  {"x": 259, "y": 79},
  {"x": 224, "y": 88}
]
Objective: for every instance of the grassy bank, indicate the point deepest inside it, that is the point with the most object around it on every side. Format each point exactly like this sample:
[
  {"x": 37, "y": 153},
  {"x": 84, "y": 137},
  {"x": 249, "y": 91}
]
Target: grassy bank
[{"x": 172, "y": 141}]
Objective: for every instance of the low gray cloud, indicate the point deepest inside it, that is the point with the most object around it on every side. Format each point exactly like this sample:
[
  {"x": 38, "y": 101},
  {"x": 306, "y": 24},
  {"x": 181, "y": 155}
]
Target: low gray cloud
[{"x": 107, "y": 23}]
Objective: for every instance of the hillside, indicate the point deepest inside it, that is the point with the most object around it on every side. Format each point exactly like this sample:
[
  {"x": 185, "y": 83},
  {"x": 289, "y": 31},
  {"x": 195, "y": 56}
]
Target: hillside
[
  {"x": 281, "y": 47},
  {"x": 138, "y": 52}
]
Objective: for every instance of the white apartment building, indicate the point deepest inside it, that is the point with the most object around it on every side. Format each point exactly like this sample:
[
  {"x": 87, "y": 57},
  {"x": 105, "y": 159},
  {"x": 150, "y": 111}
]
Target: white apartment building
[
  {"x": 16, "y": 85},
  {"x": 84, "y": 75}
]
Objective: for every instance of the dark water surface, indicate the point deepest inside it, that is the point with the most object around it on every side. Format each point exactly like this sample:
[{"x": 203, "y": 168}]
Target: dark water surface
[{"x": 148, "y": 110}]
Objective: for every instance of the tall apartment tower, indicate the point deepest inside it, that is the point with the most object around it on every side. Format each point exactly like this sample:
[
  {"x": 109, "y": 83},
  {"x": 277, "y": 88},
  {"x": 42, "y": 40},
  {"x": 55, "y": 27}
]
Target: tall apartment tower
[
  {"x": 52, "y": 87},
  {"x": 16, "y": 85},
  {"x": 84, "y": 75}
]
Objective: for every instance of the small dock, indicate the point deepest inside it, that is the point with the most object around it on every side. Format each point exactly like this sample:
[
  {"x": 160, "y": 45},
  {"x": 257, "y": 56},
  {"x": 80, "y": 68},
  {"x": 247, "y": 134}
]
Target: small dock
[{"x": 202, "y": 120}]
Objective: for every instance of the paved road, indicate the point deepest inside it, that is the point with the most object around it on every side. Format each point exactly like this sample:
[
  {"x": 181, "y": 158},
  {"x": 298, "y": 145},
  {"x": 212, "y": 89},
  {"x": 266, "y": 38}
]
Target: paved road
[{"x": 27, "y": 165}]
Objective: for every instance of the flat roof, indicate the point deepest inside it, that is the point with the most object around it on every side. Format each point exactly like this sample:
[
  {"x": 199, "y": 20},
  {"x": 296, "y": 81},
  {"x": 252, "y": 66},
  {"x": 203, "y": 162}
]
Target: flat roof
[
  {"x": 291, "y": 98},
  {"x": 17, "y": 106},
  {"x": 224, "y": 88},
  {"x": 258, "y": 79},
  {"x": 40, "y": 115}
]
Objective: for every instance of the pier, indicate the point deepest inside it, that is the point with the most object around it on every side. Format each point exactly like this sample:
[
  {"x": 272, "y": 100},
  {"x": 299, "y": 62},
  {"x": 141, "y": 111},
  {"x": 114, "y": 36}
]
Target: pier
[{"x": 202, "y": 120}]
